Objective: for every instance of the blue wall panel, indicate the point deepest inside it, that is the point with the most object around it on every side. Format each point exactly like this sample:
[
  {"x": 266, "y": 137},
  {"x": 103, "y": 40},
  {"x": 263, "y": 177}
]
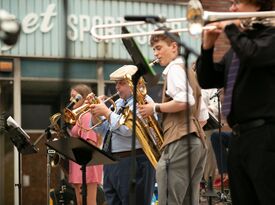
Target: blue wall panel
[{"x": 43, "y": 26}]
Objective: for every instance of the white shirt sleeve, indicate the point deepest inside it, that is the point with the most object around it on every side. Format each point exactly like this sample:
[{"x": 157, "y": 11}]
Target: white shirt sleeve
[
  {"x": 212, "y": 104},
  {"x": 176, "y": 85}
]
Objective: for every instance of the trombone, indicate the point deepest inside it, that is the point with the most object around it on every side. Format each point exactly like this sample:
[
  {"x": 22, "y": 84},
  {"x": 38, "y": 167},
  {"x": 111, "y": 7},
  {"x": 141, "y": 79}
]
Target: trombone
[
  {"x": 127, "y": 35},
  {"x": 196, "y": 19}
]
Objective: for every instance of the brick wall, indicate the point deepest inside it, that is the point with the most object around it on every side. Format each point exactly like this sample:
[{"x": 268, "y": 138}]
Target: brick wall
[
  {"x": 35, "y": 166},
  {"x": 222, "y": 44},
  {"x": 208, "y": 5}
]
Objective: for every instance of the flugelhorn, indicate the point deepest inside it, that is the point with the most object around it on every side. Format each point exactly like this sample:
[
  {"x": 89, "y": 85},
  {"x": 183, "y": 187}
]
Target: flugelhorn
[
  {"x": 72, "y": 116},
  {"x": 100, "y": 121}
]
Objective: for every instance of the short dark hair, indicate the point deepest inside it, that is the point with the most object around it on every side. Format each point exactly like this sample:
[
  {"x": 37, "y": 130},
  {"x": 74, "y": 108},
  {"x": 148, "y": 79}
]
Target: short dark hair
[
  {"x": 162, "y": 37},
  {"x": 265, "y": 5}
]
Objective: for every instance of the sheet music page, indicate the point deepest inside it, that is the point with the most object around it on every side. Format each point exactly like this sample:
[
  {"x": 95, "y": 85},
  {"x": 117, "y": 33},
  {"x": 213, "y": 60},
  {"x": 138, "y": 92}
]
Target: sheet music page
[{"x": 12, "y": 123}]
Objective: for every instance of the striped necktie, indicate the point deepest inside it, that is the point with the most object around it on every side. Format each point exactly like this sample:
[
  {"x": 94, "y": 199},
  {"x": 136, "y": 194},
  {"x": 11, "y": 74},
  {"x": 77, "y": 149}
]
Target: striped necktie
[
  {"x": 107, "y": 142},
  {"x": 231, "y": 79}
]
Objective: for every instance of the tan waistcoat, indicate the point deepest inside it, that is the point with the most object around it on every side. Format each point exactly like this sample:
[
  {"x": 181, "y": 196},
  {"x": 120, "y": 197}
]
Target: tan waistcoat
[{"x": 175, "y": 124}]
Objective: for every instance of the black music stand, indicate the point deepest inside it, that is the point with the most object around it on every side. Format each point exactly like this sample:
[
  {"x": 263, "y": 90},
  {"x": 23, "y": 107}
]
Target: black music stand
[
  {"x": 212, "y": 122},
  {"x": 24, "y": 146},
  {"x": 144, "y": 69},
  {"x": 151, "y": 78},
  {"x": 82, "y": 153},
  {"x": 21, "y": 141}
]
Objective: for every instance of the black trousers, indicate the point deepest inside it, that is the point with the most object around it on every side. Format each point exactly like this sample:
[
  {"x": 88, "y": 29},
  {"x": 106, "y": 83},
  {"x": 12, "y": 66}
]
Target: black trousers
[
  {"x": 251, "y": 166},
  {"x": 117, "y": 181}
]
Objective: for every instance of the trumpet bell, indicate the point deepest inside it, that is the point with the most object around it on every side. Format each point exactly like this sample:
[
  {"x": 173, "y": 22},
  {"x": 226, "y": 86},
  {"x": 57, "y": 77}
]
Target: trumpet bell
[
  {"x": 195, "y": 17},
  {"x": 71, "y": 116}
]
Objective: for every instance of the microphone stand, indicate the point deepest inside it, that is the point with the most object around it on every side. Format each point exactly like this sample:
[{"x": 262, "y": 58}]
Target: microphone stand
[
  {"x": 143, "y": 68},
  {"x": 50, "y": 153},
  {"x": 223, "y": 197},
  {"x": 210, "y": 193},
  {"x": 185, "y": 56},
  {"x": 48, "y": 134},
  {"x": 135, "y": 79},
  {"x": 132, "y": 193}
]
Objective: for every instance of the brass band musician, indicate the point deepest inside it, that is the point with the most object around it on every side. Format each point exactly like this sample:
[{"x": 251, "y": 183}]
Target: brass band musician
[
  {"x": 117, "y": 141},
  {"x": 247, "y": 72},
  {"x": 172, "y": 170},
  {"x": 81, "y": 129}
]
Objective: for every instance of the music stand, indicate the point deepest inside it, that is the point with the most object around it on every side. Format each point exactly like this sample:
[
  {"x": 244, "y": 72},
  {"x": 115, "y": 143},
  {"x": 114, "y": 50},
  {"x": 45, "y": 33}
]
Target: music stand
[
  {"x": 83, "y": 153},
  {"x": 151, "y": 78},
  {"x": 21, "y": 142},
  {"x": 24, "y": 146},
  {"x": 144, "y": 69},
  {"x": 212, "y": 122}
]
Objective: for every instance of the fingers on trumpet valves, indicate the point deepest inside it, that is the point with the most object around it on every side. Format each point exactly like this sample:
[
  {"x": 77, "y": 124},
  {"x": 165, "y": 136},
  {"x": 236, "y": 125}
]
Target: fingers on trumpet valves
[
  {"x": 219, "y": 26},
  {"x": 90, "y": 99},
  {"x": 212, "y": 26}
]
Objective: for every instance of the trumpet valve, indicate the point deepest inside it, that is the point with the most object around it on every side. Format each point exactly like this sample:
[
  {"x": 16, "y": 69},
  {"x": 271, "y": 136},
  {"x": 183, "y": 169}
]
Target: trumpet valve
[{"x": 92, "y": 99}]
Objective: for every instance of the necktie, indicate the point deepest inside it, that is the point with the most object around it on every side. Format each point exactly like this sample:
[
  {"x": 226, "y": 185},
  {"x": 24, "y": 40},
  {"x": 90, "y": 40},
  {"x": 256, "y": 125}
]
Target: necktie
[
  {"x": 107, "y": 142},
  {"x": 231, "y": 79}
]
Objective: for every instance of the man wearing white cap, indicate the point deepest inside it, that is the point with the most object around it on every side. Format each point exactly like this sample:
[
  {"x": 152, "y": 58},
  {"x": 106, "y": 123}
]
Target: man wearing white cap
[{"x": 118, "y": 140}]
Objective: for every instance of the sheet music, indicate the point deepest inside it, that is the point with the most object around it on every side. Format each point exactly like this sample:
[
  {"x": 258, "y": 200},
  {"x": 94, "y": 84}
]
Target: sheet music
[
  {"x": 212, "y": 122},
  {"x": 211, "y": 114},
  {"x": 12, "y": 123}
]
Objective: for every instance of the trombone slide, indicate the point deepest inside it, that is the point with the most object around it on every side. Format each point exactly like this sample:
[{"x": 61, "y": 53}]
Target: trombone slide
[{"x": 127, "y": 35}]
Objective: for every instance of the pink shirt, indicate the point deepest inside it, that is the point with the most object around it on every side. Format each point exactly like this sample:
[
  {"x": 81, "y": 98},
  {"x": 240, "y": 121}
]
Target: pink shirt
[{"x": 93, "y": 173}]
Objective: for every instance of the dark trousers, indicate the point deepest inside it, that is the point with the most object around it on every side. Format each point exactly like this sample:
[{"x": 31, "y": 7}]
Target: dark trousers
[
  {"x": 117, "y": 181},
  {"x": 251, "y": 166},
  {"x": 221, "y": 149}
]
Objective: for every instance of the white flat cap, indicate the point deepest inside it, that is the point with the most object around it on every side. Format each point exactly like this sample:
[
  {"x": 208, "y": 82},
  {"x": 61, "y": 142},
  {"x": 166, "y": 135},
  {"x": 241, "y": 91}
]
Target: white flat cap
[{"x": 122, "y": 72}]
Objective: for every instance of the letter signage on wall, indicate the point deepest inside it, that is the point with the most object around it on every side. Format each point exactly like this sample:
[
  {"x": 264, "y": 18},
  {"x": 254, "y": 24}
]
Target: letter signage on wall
[{"x": 44, "y": 24}]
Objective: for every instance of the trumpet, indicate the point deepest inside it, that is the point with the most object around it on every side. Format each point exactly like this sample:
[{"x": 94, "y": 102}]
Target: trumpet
[
  {"x": 196, "y": 18},
  {"x": 73, "y": 116}
]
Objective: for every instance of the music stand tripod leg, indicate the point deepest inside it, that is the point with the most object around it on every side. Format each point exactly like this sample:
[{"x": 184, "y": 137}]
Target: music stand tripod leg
[
  {"x": 83, "y": 153},
  {"x": 83, "y": 156},
  {"x": 24, "y": 146},
  {"x": 19, "y": 184},
  {"x": 84, "y": 185}
]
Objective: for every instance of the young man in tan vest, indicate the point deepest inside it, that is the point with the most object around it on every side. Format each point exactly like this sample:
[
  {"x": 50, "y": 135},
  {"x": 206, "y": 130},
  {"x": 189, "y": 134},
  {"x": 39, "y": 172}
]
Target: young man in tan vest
[{"x": 173, "y": 178}]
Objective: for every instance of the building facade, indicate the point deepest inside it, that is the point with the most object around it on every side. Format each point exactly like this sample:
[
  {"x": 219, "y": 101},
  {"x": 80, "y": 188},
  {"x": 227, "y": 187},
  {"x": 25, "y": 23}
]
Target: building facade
[{"x": 56, "y": 50}]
